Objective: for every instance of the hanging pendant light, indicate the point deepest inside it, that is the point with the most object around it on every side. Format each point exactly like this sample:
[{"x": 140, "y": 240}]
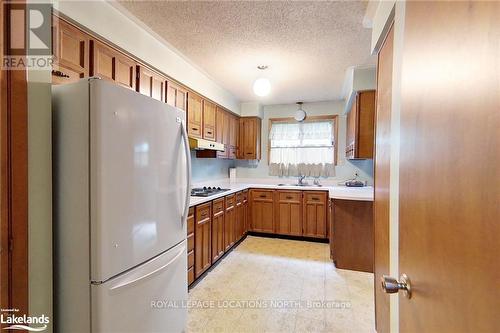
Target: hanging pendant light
[
  {"x": 262, "y": 86},
  {"x": 300, "y": 114}
]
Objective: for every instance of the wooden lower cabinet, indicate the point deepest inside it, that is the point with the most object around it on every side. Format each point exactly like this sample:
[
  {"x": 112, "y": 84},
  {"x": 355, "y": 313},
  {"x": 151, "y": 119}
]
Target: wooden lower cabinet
[
  {"x": 190, "y": 245},
  {"x": 262, "y": 210},
  {"x": 353, "y": 220},
  {"x": 229, "y": 222},
  {"x": 246, "y": 212},
  {"x": 315, "y": 214},
  {"x": 203, "y": 238},
  {"x": 239, "y": 220},
  {"x": 289, "y": 213},
  {"x": 218, "y": 229}
]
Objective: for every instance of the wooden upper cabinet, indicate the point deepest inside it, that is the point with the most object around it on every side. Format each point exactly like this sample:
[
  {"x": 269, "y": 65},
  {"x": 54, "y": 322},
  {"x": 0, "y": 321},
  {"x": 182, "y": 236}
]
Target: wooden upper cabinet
[
  {"x": 110, "y": 64},
  {"x": 262, "y": 210},
  {"x": 360, "y": 126},
  {"x": 315, "y": 214},
  {"x": 234, "y": 127},
  {"x": 195, "y": 115},
  {"x": 249, "y": 138},
  {"x": 209, "y": 113},
  {"x": 150, "y": 83},
  {"x": 220, "y": 129},
  {"x": 70, "y": 47},
  {"x": 289, "y": 213},
  {"x": 176, "y": 96}
]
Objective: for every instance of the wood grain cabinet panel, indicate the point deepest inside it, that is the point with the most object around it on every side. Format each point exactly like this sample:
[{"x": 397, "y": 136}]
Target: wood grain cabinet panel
[
  {"x": 150, "y": 83},
  {"x": 109, "y": 64},
  {"x": 229, "y": 221},
  {"x": 315, "y": 214},
  {"x": 239, "y": 223},
  {"x": 249, "y": 138},
  {"x": 176, "y": 96},
  {"x": 234, "y": 127},
  {"x": 361, "y": 126},
  {"x": 353, "y": 220},
  {"x": 190, "y": 245},
  {"x": 203, "y": 238},
  {"x": 195, "y": 115},
  {"x": 221, "y": 127},
  {"x": 70, "y": 47},
  {"x": 218, "y": 229},
  {"x": 262, "y": 210},
  {"x": 209, "y": 113},
  {"x": 246, "y": 212},
  {"x": 289, "y": 213}
]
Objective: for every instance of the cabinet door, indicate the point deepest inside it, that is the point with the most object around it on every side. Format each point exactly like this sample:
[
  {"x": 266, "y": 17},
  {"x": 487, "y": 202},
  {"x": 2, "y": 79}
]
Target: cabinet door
[
  {"x": 70, "y": 47},
  {"x": 203, "y": 239},
  {"x": 229, "y": 222},
  {"x": 233, "y": 131},
  {"x": 176, "y": 95},
  {"x": 249, "y": 138},
  {"x": 218, "y": 229},
  {"x": 209, "y": 111},
  {"x": 289, "y": 213},
  {"x": 238, "y": 229},
  {"x": 315, "y": 214},
  {"x": 262, "y": 210},
  {"x": 366, "y": 124},
  {"x": 351, "y": 130},
  {"x": 195, "y": 115},
  {"x": 219, "y": 131},
  {"x": 150, "y": 83},
  {"x": 111, "y": 65},
  {"x": 190, "y": 246}
]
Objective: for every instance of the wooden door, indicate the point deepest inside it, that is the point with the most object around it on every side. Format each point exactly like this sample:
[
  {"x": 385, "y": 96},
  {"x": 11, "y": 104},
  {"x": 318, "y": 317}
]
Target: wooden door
[
  {"x": 150, "y": 83},
  {"x": 289, "y": 213},
  {"x": 111, "y": 65},
  {"x": 314, "y": 219},
  {"x": 219, "y": 130},
  {"x": 176, "y": 96},
  {"x": 382, "y": 179},
  {"x": 209, "y": 111},
  {"x": 203, "y": 238},
  {"x": 218, "y": 229},
  {"x": 262, "y": 210},
  {"x": 195, "y": 115},
  {"x": 229, "y": 222},
  {"x": 70, "y": 47},
  {"x": 449, "y": 180}
]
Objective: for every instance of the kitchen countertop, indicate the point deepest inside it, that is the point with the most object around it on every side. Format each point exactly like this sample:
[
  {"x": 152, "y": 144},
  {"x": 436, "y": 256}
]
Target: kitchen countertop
[{"x": 335, "y": 191}]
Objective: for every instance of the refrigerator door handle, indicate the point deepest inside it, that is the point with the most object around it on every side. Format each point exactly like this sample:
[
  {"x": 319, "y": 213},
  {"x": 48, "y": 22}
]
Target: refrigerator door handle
[
  {"x": 126, "y": 283},
  {"x": 188, "y": 173}
]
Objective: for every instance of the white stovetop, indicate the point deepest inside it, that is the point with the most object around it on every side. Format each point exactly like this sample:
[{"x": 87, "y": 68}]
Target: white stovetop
[{"x": 335, "y": 191}]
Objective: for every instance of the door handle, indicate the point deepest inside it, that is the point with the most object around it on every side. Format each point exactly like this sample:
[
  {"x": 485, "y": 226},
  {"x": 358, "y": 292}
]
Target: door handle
[
  {"x": 391, "y": 285},
  {"x": 188, "y": 171}
]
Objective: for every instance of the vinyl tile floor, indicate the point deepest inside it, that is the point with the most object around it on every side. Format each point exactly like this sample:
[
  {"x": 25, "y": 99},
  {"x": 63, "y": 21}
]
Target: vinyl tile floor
[{"x": 278, "y": 285}]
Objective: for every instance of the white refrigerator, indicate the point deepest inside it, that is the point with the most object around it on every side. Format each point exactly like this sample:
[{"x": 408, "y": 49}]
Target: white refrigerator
[{"x": 121, "y": 170}]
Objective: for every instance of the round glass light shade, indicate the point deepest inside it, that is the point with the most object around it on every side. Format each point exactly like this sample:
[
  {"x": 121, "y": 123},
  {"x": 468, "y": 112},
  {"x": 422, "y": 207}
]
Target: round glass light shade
[
  {"x": 300, "y": 115},
  {"x": 261, "y": 87}
]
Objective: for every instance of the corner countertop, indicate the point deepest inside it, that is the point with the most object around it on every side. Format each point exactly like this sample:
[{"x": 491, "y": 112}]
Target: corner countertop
[{"x": 335, "y": 191}]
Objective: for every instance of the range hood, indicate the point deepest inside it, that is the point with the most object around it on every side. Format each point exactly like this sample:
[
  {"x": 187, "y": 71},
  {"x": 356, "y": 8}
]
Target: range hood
[{"x": 202, "y": 144}]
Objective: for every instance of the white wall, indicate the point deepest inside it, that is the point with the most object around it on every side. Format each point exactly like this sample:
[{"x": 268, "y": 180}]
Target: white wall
[
  {"x": 110, "y": 23},
  {"x": 344, "y": 170}
]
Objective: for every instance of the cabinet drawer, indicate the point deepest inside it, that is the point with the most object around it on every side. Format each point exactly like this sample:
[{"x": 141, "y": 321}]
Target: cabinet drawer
[
  {"x": 208, "y": 133},
  {"x": 190, "y": 241},
  {"x": 230, "y": 201},
  {"x": 315, "y": 197},
  {"x": 190, "y": 273},
  {"x": 218, "y": 206},
  {"x": 203, "y": 212},
  {"x": 290, "y": 196},
  {"x": 190, "y": 221},
  {"x": 262, "y": 195},
  {"x": 245, "y": 195},
  {"x": 194, "y": 130},
  {"x": 190, "y": 259},
  {"x": 239, "y": 198}
]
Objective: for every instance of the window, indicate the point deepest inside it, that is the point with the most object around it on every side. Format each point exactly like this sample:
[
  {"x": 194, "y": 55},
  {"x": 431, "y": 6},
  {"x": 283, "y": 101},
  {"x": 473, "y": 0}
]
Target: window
[{"x": 307, "y": 148}]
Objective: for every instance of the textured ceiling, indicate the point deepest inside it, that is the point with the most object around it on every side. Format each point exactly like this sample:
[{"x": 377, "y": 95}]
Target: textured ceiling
[{"x": 307, "y": 45}]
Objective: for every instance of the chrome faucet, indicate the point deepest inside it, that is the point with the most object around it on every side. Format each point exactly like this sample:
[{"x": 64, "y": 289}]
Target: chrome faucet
[
  {"x": 301, "y": 179},
  {"x": 316, "y": 181}
]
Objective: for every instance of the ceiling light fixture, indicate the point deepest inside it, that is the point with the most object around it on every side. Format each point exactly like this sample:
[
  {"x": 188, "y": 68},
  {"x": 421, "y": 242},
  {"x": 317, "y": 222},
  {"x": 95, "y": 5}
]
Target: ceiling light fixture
[
  {"x": 300, "y": 114},
  {"x": 262, "y": 86}
]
